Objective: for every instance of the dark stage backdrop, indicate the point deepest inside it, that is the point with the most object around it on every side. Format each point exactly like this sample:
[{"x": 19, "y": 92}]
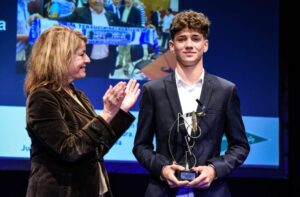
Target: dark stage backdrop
[{"x": 243, "y": 48}]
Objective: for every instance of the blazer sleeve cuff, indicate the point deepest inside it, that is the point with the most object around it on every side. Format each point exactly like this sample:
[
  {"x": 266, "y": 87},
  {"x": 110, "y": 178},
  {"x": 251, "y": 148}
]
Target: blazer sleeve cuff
[
  {"x": 99, "y": 131},
  {"x": 121, "y": 122}
]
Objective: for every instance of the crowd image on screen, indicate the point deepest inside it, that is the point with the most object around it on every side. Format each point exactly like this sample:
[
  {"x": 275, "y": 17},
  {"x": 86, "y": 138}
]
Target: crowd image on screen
[{"x": 107, "y": 61}]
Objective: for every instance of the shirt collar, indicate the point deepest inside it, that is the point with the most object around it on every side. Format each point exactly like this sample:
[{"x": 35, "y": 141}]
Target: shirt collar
[
  {"x": 94, "y": 12},
  {"x": 181, "y": 82}
]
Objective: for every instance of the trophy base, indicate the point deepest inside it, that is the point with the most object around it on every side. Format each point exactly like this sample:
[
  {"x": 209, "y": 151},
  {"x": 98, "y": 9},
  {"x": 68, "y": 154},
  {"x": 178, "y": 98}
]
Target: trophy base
[{"x": 186, "y": 175}]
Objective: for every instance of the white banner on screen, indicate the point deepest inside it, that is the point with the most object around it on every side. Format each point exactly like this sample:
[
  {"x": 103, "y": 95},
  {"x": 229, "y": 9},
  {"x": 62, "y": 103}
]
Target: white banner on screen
[{"x": 262, "y": 132}]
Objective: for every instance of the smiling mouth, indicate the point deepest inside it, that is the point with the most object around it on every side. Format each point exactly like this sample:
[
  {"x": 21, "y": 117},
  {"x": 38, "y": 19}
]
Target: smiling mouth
[
  {"x": 192, "y": 52},
  {"x": 189, "y": 54}
]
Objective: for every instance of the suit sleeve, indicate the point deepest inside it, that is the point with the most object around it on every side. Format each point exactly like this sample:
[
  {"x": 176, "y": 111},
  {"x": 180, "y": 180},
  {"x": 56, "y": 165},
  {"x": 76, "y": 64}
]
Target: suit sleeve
[
  {"x": 46, "y": 123},
  {"x": 143, "y": 144},
  {"x": 120, "y": 123},
  {"x": 238, "y": 146}
]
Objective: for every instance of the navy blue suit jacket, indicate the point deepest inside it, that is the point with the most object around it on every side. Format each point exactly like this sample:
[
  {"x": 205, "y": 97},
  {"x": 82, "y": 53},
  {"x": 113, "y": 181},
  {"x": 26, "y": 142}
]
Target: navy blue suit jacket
[
  {"x": 159, "y": 108},
  {"x": 110, "y": 8},
  {"x": 134, "y": 17}
]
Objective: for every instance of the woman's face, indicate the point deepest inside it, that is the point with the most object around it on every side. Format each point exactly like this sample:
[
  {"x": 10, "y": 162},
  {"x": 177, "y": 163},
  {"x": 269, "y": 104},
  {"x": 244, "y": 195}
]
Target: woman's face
[{"x": 78, "y": 64}]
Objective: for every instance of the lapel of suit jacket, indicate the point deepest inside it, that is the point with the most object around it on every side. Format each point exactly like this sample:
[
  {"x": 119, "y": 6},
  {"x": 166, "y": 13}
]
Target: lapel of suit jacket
[
  {"x": 172, "y": 93},
  {"x": 76, "y": 106},
  {"x": 206, "y": 91},
  {"x": 87, "y": 15},
  {"x": 110, "y": 19},
  {"x": 87, "y": 107}
]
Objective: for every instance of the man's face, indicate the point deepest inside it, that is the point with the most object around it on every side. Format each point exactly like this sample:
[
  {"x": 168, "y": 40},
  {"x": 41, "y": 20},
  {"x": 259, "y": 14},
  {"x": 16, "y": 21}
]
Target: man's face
[
  {"x": 189, "y": 47},
  {"x": 96, "y": 5}
]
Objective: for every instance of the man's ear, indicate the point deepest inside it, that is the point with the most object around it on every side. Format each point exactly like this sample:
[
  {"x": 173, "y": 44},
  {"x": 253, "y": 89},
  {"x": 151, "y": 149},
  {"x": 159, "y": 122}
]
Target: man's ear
[
  {"x": 171, "y": 45},
  {"x": 206, "y": 46}
]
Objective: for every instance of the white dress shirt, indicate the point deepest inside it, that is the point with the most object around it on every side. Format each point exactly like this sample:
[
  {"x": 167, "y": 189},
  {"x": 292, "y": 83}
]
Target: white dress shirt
[
  {"x": 99, "y": 51},
  {"x": 187, "y": 96}
]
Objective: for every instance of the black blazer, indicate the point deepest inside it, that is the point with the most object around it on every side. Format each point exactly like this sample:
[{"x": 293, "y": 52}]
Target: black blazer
[
  {"x": 159, "y": 108},
  {"x": 67, "y": 144},
  {"x": 134, "y": 18},
  {"x": 155, "y": 18}
]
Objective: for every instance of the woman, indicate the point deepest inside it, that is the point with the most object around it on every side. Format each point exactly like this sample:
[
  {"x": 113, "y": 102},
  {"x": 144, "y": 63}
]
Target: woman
[{"x": 69, "y": 140}]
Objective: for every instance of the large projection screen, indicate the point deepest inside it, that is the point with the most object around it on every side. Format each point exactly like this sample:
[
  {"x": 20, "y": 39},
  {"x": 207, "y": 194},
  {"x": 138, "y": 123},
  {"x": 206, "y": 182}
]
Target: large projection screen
[{"x": 243, "y": 48}]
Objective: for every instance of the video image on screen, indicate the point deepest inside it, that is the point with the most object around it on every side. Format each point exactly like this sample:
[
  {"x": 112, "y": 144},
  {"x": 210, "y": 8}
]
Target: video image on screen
[{"x": 119, "y": 47}]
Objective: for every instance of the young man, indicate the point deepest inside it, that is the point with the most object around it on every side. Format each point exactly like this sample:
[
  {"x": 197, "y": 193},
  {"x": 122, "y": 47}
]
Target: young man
[{"x": 165, "y": 113}]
